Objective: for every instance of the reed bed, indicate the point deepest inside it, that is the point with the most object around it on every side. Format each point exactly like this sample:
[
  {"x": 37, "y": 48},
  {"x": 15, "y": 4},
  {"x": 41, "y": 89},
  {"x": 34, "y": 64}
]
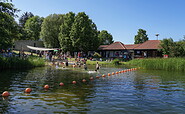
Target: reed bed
[
  {"x": 18, "y": 63},
  {"x": 170, "y": 64}
]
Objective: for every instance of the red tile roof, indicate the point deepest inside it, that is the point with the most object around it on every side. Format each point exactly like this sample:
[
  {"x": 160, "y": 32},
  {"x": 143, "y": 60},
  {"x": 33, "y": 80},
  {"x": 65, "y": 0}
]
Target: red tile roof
[
  {"x": 150, "y": 44},
  {"x": 115, "y": 46},
  {"x": 131, "y": 46},
  {"x": 102, "y": 47}
]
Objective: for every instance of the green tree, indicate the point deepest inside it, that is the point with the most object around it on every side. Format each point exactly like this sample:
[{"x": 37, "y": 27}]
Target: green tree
[
  {"x": 105, "y": 38},
  {"x": 33, "y": 27},
  {"x": 8, "y": 26},
  {"x": 24, "y": 17},
  {"x": 50, "y": 30},
  {"x": 141, "y": 36},
  {"x": 84, "y": 33},
  {"x": 64, "y": 35},
  {"x": 171, "y": 48}
]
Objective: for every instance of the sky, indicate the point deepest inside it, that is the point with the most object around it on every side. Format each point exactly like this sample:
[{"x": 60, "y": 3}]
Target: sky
[{"x": 121, "y": 18}]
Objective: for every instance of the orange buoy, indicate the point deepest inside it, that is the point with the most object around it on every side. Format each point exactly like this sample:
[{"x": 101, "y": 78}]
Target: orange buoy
[
  {"x": 27, "y": 90},
  {"x": 61, "y": 84},
  {"x": 74, "y": 82},
  {"x": 91, "y": 78},
  {"x": 97, "y": 77},
  {"x": 119, "y": 71},
  {"x": 109, "y": 74},
  {"x": 5, "y": 94},
  {"x": 46, "y": 87},
  {"x": 103, "y": 75},
  {"x": 113, "y": 73},
  {"x": 83, "y": 80}
]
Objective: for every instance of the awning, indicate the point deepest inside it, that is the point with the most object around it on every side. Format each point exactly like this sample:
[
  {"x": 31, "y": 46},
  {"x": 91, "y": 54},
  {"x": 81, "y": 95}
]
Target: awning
[{"x": 39, "y": 48}]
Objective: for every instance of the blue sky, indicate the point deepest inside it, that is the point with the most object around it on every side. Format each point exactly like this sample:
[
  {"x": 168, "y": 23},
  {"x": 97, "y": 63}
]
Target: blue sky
[{"x": 121, "y": 18}]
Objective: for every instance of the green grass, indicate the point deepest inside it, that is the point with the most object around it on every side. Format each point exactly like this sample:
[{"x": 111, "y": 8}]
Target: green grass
[
  {"x": 99, "y": 62},
  {"x": 170, "y": 64},
  {"x": 114, "y": 62},
  {"x": 18, "y": 63}
]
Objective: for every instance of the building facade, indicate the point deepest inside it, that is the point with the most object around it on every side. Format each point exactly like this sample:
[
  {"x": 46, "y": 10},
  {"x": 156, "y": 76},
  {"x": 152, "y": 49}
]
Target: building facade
[{"x": 149, "y": 48}]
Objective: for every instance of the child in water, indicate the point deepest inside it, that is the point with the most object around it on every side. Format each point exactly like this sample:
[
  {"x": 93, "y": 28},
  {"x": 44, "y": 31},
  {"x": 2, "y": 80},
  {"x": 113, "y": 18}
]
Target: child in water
[{"x": 85, "y": 67}]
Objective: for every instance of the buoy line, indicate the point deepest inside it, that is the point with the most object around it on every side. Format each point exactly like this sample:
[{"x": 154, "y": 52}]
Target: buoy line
[{"x": 46, "y": 87}]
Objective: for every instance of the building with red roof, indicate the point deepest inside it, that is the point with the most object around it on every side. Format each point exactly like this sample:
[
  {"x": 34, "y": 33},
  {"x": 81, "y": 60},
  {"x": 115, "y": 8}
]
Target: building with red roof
[{"x": 118, "y": 49}]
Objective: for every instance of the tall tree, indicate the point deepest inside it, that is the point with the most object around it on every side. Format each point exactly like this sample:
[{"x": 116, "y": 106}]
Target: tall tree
[
  {"x": 25, "y": 16},
  {"x": 33, "y": 27},
  {"x": 8, "y": 26},
  {"x": 170, "y": 47},
  {"x": 84, "y": 33},
  {"x": 50, "y": 30},
  {"x": 105, "y": 38},
  {"x": 64, "y": 35},
  {"x": 141, "y": 36}
]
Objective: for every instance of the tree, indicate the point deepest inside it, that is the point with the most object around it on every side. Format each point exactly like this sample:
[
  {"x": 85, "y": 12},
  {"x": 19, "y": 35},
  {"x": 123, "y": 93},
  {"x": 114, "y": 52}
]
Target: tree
[
  {"x": 8, "y": 26},
  {"x": 105, "y": 38},
  {"x": 171, "y": 48},
  {"x": 84, "y": 33},
  {"x": 25, "y": 16},
  {"x": 33, "y": 27},
  {"x": 64, "y": 35},
  {"x": 50, "y": 30},
  {"x": 141, "y": 36}
]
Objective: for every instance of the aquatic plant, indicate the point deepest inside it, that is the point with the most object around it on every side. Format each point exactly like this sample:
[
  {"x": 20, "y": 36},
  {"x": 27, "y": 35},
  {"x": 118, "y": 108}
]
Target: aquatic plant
[
  {"x": 17, "y": 63},
  {"x": 173, "y": 64}
]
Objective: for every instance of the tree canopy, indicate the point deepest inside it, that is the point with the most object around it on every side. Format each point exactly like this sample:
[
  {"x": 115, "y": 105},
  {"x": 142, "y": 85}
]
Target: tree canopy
[
  {"x": 50, "y": 30},
  {"x": 65, "y": 29},
  {"x": 105, "y": 38},
  {"x": 25, "y": 16},
  {"x": 8, "y": 26},
  {"x": 84, "y": 33},
  {"x": 33, "y": 27},
  {"x": 173, "y": 49},
  {"x": 141, "y": 36}
]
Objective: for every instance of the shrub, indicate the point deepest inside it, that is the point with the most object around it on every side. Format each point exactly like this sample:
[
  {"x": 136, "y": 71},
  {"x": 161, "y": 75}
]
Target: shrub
[{"x": 116, "y": 62}]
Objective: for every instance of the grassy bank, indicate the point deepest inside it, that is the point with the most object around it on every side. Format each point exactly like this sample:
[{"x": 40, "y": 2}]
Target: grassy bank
[
  {"x": 114, "y": 62},
  {"x": 18, "y": 63},
  {"x": 170, "y": 64}
]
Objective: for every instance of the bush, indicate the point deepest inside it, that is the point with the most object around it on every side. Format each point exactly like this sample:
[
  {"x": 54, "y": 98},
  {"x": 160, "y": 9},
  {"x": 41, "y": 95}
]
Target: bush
[
  {"x": 116, "y": 62},
  {"x": 17, "y": 63}
]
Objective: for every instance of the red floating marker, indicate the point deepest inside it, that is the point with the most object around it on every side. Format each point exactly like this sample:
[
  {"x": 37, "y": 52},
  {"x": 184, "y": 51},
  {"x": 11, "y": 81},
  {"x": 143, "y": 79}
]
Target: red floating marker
[
  {"x": 27, "y": 90},
  {"x": 113, "y": 73},
  {"x": 91, "y": 78},
  {"x": 61, "y": 84},
  {"x": 97, "y": 77},
  {"x": 83, "y": 80},
  {"x": 103, "y": 75},
  {"x": 46, "y": 87},
  {"x": 5, "y": 94},
  {"x": 74, "y": 82},
  {"x": 109, "y": 74}
]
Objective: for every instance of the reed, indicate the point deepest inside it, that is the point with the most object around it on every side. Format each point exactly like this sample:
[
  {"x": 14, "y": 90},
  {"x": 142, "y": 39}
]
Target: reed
[
  {"x": 170, "y": 64},
  {"x": 17, "y": 63}
]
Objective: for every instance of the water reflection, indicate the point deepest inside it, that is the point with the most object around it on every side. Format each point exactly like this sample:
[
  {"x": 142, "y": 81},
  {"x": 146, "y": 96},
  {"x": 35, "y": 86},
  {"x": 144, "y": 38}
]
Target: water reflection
[{"x": 132, "y": 92}]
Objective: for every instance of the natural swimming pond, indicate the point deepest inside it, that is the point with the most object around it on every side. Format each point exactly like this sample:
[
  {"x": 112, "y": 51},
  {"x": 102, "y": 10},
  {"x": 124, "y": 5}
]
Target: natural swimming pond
[{"x": 137, "y": 91}]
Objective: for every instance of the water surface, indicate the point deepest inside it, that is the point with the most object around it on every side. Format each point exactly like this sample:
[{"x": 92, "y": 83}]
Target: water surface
[{"x": 131, "y": 92}]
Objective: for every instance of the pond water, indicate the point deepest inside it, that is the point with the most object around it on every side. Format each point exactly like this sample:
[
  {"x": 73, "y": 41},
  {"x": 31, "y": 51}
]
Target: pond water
[{"x": 131, "y": 92}]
